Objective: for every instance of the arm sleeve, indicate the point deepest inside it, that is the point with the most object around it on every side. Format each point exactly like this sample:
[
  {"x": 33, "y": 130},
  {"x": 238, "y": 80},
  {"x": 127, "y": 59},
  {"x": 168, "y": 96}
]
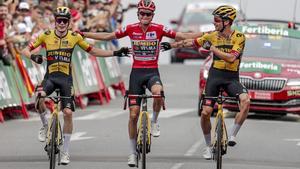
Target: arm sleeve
[
  {"x": 198, "y": 42},
  {"x": 169, "y": 32},
  {"x": 37, "y": 42},
  {"x": 122, "y": 32},
  {"x": 239, "y": 45},
  {"x": 83, "y": 44}
]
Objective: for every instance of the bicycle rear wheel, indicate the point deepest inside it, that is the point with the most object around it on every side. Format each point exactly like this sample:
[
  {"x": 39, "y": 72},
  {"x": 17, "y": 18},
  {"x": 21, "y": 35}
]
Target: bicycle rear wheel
[
  {"x": 144, "y": 140},
  {"x": 53, "y": 145},
  {"x": 218, "y": 148}
]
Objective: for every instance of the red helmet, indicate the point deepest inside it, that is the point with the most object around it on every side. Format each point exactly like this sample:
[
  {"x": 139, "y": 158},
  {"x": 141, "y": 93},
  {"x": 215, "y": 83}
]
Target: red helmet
[{"x": 146, "y": 4}]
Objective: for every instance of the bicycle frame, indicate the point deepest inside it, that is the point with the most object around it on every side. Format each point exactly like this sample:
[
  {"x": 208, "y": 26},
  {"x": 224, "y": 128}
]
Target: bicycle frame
[
  {"x": 54, "y": 130},
  {"x": 220, "y": 136},
  {"x": 143, "y": 138}
]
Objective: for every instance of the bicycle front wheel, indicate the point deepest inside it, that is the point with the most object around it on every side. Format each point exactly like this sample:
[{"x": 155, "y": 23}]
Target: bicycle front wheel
[
  {"x": 53, "y": 145},
  {"x": 144, "y": 140},
  {"x": 218, "y": 152}
]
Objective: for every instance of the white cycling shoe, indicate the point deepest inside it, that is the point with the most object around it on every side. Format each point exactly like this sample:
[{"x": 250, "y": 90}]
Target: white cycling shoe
[
  {"x": 42, "y": 134},
  {"x": 231, "y": 141},
  {"x": 132, "y": 160},
  {"x": 155, "y": 129},
  {"x": 64, "y": 158},
  {"x": 207, "y": 153}
]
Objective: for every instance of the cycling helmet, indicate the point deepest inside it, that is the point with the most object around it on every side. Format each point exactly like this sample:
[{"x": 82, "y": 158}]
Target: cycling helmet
[
  {"x": 62, "y": 11},
  {"x": 225, "y": 12},
  {"x": 146, "y": 4}
]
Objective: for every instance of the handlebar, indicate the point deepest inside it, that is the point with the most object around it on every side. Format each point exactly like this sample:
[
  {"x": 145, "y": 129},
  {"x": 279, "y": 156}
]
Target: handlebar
[
  {"x": 144, "y": 96},
  {"x": 56, "y": 98}
]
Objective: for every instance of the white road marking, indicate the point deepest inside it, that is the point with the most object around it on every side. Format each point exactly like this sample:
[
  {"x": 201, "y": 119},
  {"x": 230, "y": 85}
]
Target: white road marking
[
  {"x": 168, "y": 113},
  {"x": 293, "y": 140},
  {"x": 177, "y": 165},
  {"x": 191, "y": 151},
  {"x": 78, "y": 136},
  {"x": 109, "y": 113},
  {"x": 100, "y": 115}
]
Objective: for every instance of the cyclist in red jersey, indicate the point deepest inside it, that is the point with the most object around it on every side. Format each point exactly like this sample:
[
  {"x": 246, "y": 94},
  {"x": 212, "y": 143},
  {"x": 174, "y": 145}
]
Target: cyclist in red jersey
[{"x": 145, "y": 39}]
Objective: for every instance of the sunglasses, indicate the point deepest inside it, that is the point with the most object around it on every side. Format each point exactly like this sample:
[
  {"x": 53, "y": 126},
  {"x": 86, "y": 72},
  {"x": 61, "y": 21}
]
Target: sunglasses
[
  {"x": 145, "y": 13},
  {"x": 64, "y": 21}
]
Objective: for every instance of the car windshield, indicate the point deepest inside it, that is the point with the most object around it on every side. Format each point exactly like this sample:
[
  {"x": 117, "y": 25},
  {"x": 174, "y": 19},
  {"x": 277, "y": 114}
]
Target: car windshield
[
  {"x": 272, "y": 46},
  {"x": 197, "y": 17}
]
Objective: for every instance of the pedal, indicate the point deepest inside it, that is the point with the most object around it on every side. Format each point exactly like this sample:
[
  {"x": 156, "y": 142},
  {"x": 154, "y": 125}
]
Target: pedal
[
  {"x": 46, "y": 148},
  {"x": 148, "y": 147}
]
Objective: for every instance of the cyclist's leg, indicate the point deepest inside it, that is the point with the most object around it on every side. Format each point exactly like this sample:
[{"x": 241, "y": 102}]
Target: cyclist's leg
[
  {"x": 46, "y": 88},
  {"x": 211, "y": 89},
  {"x": 135, "y": 87},
  {"x": 68, "y": 107},
  {"x": 155, "y": 86},
  {"x": 233, "y": 89}
]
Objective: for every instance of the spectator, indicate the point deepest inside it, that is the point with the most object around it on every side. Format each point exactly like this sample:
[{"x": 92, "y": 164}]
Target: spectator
[{"x": 3, "y": 49}]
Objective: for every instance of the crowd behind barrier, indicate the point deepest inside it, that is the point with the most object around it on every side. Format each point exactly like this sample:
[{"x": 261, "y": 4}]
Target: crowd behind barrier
[{"x": 22, "y": 21}]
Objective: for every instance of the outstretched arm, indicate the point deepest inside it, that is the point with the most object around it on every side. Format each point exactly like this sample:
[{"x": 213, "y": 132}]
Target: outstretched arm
[
  {"x": 26, "y": 52},
  {"x": 189, "y": 35},
  {"x": 108, "y": 53},
  {"x": 100, "y": 36}
]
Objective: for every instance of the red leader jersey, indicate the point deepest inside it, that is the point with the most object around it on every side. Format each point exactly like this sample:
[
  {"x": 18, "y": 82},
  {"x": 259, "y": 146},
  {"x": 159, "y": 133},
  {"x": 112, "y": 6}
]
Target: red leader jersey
[{"x": 145, "y": 45}]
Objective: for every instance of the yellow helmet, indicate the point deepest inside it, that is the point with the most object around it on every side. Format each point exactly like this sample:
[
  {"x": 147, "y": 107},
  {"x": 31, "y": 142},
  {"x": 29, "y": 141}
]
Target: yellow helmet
[
  {"x": 225, "y": 12},
  {"x": 62, "y": 11}
]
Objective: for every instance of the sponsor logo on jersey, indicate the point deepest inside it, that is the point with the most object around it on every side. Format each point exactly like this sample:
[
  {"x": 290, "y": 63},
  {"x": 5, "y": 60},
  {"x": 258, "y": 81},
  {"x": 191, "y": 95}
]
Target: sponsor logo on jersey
[
  {"x": 137, "y": 33},
  {"x": 166, "y": 29},
  {"x": 64, "y": 43},
  {"x": 151, "y": 35},
  {"x": 132, "y": 101},
  {"x": 123, "y": 29}
]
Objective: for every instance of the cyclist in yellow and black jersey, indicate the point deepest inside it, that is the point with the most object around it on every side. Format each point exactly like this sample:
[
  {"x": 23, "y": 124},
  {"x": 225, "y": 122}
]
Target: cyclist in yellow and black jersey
[
  {"x": 59, "y": 49},
  {"x": 234, "y": 45},
  {"x": 226, "y": 46},
  {"x": 59, "y": 44}
]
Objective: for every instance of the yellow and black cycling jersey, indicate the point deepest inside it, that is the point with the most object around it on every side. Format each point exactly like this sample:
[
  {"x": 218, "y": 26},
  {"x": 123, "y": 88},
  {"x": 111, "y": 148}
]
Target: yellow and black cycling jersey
[
  {"x": 59, "y": 50},
  {"x": 234, "y": 44}
]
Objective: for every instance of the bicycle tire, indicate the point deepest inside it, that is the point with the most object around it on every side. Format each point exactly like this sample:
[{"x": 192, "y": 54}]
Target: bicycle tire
[
  {"x": 144, "y": 140},
  {"x": 219, "y": 143},
  {"x": 53, "y": 145}
]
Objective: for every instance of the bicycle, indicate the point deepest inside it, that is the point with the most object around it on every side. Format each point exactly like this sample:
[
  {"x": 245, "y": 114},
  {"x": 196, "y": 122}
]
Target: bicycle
[
  {"x": 220, "y": 136},
  {"x": 54, "y": 132},
  {"x": 144, "y": 125}
]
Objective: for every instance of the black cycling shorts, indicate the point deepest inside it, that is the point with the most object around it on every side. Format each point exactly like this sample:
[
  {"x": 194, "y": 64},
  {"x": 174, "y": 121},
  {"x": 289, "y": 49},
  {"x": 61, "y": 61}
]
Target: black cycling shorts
[
  {"x": 140, "y": 77},
  {"x": 65, "y": 85},
  {"x": 231, "y": 86}
]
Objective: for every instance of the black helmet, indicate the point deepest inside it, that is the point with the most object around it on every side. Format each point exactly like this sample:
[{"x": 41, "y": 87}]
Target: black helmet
[
  {"x": 225, "y": 12},
  {"x": 62, "y": 11}
]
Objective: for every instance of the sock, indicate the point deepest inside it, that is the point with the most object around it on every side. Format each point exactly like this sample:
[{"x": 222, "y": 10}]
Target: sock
[
  {"x": 44, "y": 119},
  {"x": 154, "y": 117},
  {"x": 207, "y": 138},
  {"x": 132, "y": 143},
  {"x": 67, "y": 138},
  {"x": 235, "y": 129}
]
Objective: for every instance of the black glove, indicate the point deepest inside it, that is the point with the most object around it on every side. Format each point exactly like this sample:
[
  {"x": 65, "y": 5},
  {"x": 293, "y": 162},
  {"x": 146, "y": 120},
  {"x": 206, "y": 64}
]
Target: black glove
[
  {"x": 206, "y": 45},
  {"x": 37, "y": 58},
  {"x": 165, "y": 46},
  {"x": 124, "y": 51}
]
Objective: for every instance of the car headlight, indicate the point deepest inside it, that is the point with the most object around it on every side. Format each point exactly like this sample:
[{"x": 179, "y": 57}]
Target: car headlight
[
  {"x": 205, "y": 73},
  {"x": 293, "y": 82}
]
